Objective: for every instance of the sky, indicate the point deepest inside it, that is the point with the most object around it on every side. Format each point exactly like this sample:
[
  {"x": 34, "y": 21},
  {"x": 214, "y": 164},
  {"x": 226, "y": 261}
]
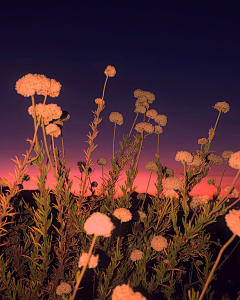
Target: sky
[{"x": 186, "y": 53}]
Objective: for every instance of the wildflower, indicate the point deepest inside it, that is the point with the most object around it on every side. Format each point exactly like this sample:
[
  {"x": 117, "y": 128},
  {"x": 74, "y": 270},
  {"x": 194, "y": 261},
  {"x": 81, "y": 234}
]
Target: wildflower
[
  {"x": 202, "y": 141},
  {"x": 55, "y": 88},
  {"x": 141, "y": 196},
  {"x": 234, "y": 192},
  {"x": 170, "y": 193},
  {"x": 211, "y": 134},
  {"x": 199, "y": 200},
  {"x": 158, "y": 129},
  {"x": 227, "y": 154},
  {"x": 140, "y": 109},
  {"x": 102, "y": 161},
  {"x": 197, "y": 161},
  {"x": 53, "y": 129},
  {"x": 161, "y": 120},
  {"x": 216, "y": 159},
  {"x": 99, "y": 224},
  {"x": 172, "y": 183},
  {"x": 138, "y": 93},
  {"x": 63, "y": 288},
  {"x": 148, "y": 127},
  {"x": 150, "y": 96},
  {"x": 142, "y": 101},
  {"x": 234, "y": 160},
  {"x": 93, "y": 261},
  {"x": 139, "y": 127},
  {"x": 99, "y": 101},
  {"x": 48, "y": 112},
  {"x": 184, "y": 156},
  {"x": 110, "y": 71},
  {"x": 151, "y": 113},
  {"x": 222, "y": 106},
  {"x": 166, "y": 261},
  {"x": 233, "y": 221},
  {"x": 44, "y": 84},
  {"x": 123, "y": 214},
  {"x": 142, "y": 215},
  {"x": 124, "y": 292},
  {"x": 151, "y": 166},
  {"x": 159, "y": 242},
  {"x": 116, "y": 117},
  {"x": 136, "y": 255},
  {"x": 211, "y": 181},
  {"x": 27, "y": 85},
  {"x": 81, "y": 164}
]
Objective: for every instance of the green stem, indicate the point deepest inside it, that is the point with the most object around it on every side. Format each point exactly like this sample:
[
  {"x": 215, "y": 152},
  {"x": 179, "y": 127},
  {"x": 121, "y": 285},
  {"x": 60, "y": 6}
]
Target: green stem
[
  {"x": 45, "y": 142},
  {"x": 215, "y": 265},
  {"x": 223, "y": 172},
  {"x": 114, "y": 137},
  {"x": 34, "y": 119},
  {"x": 133, "y": 125},
  {"x": 217, "y": 121},
  {"x": 146, "y": 190},
  {"x": 84, "y": 268}
]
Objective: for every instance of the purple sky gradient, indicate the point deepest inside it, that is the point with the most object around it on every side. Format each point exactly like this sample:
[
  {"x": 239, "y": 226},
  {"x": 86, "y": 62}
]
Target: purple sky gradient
[{"x": 186, "y": 54}]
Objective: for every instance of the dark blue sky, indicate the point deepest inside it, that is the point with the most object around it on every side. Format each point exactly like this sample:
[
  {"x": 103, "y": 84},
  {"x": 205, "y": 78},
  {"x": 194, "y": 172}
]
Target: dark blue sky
[{"x": 186, "y": 53}]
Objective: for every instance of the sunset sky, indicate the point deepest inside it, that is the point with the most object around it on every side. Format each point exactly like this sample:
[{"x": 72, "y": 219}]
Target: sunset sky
[{"x": 187, "y": 54}]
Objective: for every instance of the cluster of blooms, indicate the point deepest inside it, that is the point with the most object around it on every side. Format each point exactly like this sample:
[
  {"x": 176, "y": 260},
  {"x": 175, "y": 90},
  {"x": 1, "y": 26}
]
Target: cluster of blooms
[
  {"x": 124, "y": 292},
  {"x": 136, "y": 255},
  {"x": 123, "y": 214},
  {"x": 99, "y": 224},
  {"x": 116, "y": 117},
  {"x": 150, "y": 96},
  {"x": 172, "y": 183},
  {"x": 142, "y": 101},
  {"x": 211, "y": 181},
  {"x": 234, "y": 160},
  {"x": 99, "y": 101},
  {"x": 184, "y": 156},
  {"x": 144, "y": 126},
  {"x": 142, "y": 214},
  {"x": 159, "y": 242},
  {"x": 169, "y": 172},
  {"x": 233, "y": 221},
  {"x": 141, "y": 196},
  {"x": 30, "y": 84},
  {"x": 222, "y": 106},
  {"x": 140, "y": 109},
  {"x": 161, "y": 120},
  {"x": 197, "y": 161},
  {"x": 227, "y": 154},
  {"x": 110, "y": 71},
  {"x": 158, "y": 129},
  {"x": 170, "y": 194},
  {"x": 151, "y": 113},
  {"x": 63, "y": 288},
  {"x": 53, "y": 129},
  {"x": 202, "y": 141},
  {"x": 102, "y": 161},
  {"x": 151, "y": 166},
  {"x": 234, "y": 192},
  {"x": 216, "y": 159},
  {"x": 199, "y": 200},
  {"x": 49, "y": 112},
  {"x": 93, "y": 261}
]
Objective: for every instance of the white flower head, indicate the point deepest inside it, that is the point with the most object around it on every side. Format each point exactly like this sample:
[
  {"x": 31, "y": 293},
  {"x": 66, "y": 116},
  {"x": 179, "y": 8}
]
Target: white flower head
[
  {"x": 151, "y": 166},
  {"x": 234, "y": 192},
  {"x": 170, "y": 194},
  {"x": 123, "y": 214},
  {"x": 110, "y": 71},
  {"x": 141, "y": 196},
  {"x": 116, "y": 117},
  {"x": 227, "y": 154},
  {"x": 140, "y": 109},
  {"x": 158, "y": 129},
  {"x": 199, "y": 201},
  {"x": 136, "y": 255},
  {"x": 142, "y": 214},
  {"x": 161, "y": 120},
  {"x": 172, "y": 183},
  {"x": 216, "y": 159},
  {"x": 63, "y": 288},
  {"x": 197, "y": 161},
  {"x": 99, "y": 224},
  {"x": 102, "y": 161},
  {"x": 124, "y": 292},
  {"x": 234, "y": 160},
  {"x": 159, "y": 242},
  {"x": 222, "y": 106},
  {"x": 184, "y": 156},
  {"x": 151, "y": 113},
  {"x": 93, "y": 261},
  {"x": 53, "y": 129},
  {"x": 233, "y": 221}
]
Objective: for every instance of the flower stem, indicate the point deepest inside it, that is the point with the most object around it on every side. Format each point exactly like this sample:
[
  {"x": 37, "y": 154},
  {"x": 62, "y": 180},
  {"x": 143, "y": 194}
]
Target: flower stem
[
  {"x": 114, "y": 137},
  {"x": 146, "y": 190},
  {"x": 217, "y": 120},
  {"x": 133, "y": 125},
  {"x": 215, "y": 265},
  {"x": 104, "y": 87},
  {"x": 223, "y": 172},
  {"x": 34, "y": 118},
  {"x": 84, "y": 268},
  {"x": 54, "y": 155}
]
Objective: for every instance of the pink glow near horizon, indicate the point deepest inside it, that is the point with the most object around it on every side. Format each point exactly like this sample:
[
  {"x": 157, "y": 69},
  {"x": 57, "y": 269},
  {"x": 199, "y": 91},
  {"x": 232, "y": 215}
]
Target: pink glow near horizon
[{"x": 141, "y": 182}]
